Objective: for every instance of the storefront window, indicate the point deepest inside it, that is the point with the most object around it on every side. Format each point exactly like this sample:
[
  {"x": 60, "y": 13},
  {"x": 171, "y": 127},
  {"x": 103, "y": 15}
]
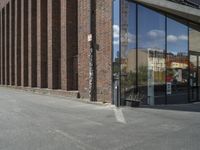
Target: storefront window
[
  {"x": 151, "y": 55},
  {"x": 128, "y": 50},
  {"x": 116, "y": 49},
  {"x": 116, "y": 35},
  {"x": 158, "y": 60},
  {"x": 194, "y": 50},
  {"x": 177, "y": 62}
]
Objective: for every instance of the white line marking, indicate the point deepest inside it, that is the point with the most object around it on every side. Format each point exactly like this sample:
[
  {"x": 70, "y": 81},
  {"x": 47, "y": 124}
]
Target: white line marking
[{"x": 119, "y": 115}]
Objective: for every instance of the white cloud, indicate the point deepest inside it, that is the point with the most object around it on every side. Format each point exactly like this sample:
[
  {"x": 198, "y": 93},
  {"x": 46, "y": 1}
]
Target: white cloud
[
  {"x": 128, "y": 37},
  {"x": 116, "y": 31},
  {"x": 172, "y": 38},
  {"x": 156, "y": 33},
  {"x": 116, "y": 42},
  {"x": 183, "y": 37},
  {"x": 153, "y": 34}
]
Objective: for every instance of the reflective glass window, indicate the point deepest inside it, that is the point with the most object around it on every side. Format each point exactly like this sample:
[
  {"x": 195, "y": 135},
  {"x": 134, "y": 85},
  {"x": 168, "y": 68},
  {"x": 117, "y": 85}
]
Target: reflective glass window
[
  {"x": 194, "y": 49},
  {"x": 177, "y": 62},
  {"x": 116, "y": 35},
  {"x": 151, "y": 55},
  {"x": 128, "y": 50},
  {"x": 116, "y": 47}
]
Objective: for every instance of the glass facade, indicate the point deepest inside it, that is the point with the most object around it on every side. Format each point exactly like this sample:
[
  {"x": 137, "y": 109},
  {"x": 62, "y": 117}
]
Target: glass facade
[
  {"x": 128, "y": 50},
  {"x": 177, "y": 61},
  {"x": 194, "y": 50},
  {"x": 151, "y": 58},
  {"x": 157, "y": 55}
]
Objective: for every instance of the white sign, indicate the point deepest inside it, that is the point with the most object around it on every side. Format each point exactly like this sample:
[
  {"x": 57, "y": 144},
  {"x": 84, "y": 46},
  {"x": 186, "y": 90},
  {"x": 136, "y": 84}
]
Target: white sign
[{"x": 89, "y": 37}]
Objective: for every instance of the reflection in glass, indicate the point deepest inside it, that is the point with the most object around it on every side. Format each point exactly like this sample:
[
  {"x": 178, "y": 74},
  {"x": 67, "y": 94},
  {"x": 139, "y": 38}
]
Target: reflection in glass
[
  {"x": 194, "y": 39},
  {"x": 151, "y": 55},
  {"x": 116, "y": 48},
  {"x": 116, "y": 35},
  {"x": 194, "y": 36},
  {"x": 128, "y": 50},
  {"x": 198, "y": 80},
  {"x": 177, "y": 62},
  {"x": 155, "y": 57},
  {"x": 193, "y": 77}
]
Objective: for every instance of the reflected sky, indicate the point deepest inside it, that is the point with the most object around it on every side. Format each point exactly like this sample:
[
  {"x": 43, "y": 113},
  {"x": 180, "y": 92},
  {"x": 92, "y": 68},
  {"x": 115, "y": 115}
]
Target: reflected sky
[
  {"x": 151, "y": 30},
  {"x": 116, "y": 20},
  {"x": 177, "y": 37}
]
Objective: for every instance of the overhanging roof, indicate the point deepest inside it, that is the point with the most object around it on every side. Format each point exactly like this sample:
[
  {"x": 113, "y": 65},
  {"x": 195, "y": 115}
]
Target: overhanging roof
[{"x": 180, "y": 10}]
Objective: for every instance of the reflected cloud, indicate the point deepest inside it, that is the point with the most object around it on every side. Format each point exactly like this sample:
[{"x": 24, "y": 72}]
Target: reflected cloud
[
  {"x": 174, "y": 38},
  {"x": 156, "y": 34},
  {"x": 116, "y": 31},
  {"x": 116, "y": 42},
  {"x": 183, "y": 37},
  {"x": 127, "y": 37},
  {"x": 116, "y": 34}
]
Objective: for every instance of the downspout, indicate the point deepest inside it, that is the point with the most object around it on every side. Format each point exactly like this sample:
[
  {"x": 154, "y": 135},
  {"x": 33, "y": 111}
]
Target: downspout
[{"x": 92, "y": 51}]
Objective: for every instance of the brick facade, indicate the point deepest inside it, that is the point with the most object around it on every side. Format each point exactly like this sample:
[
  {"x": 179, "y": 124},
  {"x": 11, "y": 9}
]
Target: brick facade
[
  {"x": 104, "y": 48},
  {"x": 43, "y": 44}
]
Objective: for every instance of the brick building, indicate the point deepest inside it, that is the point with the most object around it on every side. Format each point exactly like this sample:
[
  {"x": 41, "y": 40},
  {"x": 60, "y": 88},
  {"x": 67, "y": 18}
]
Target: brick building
[
  {"x": 145, "y": 47},
  {"x": 43, "y": 45}
]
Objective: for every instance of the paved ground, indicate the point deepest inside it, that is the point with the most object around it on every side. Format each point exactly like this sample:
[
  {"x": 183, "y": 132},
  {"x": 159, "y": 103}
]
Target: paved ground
[{"x": 34, "y": 122}]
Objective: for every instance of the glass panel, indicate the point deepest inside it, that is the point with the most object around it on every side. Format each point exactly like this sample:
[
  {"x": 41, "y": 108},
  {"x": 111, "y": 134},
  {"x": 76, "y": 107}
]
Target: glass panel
[
  {"x": 193, "y": 77},
  {"x": 128, "y": 50},
  {"x": 151, "y": 55},
  {"x": 194, "y": 35},
  {"x": 177, "y": 62},
  {"x": 198, "y": 89},
  {"x": 116, "y": 35},
  {"x": 116, "y": 47}
]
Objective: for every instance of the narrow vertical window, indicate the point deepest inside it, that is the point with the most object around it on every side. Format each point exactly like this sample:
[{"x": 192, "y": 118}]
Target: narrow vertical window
[
  {"x": 116, "y": 48},
  {"x": 151, "y": 55},
  {"x": 128, "y": 50},
  {"x": 177, "y": 62}
]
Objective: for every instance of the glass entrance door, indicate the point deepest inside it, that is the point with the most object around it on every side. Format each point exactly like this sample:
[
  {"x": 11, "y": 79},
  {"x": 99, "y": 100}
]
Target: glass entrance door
[{"x": 194, "y": 77}]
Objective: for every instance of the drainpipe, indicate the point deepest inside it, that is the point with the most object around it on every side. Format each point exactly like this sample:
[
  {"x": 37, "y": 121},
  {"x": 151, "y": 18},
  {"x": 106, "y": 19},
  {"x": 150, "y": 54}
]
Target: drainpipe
[{"x": 92, "y": 51}]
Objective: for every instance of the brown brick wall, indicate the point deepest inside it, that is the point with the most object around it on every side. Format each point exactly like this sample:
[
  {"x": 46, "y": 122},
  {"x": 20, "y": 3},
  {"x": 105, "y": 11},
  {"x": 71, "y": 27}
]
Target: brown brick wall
[
  {"x": 72, "y": 46},
  {"x": 3, "y": 46},
  {"x": 12, "y": 43},
  {"x": 104, "y": 52},
  {"x": 24, "y": 43},
  {"x": 7, "y": 44},
  {"x": 18, "y": 43},
  {"x": 44, "y": 44},
  {"x": 83, "y": 47}
]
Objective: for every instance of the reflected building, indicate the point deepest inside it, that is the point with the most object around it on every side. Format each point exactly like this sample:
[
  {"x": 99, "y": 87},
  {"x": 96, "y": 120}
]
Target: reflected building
[{"x": 159, "y": 53}]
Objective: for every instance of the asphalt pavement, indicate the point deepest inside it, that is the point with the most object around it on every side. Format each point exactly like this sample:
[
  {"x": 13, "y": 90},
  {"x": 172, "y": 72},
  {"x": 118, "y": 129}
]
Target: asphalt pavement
[{"x": 39, "y": 122}]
